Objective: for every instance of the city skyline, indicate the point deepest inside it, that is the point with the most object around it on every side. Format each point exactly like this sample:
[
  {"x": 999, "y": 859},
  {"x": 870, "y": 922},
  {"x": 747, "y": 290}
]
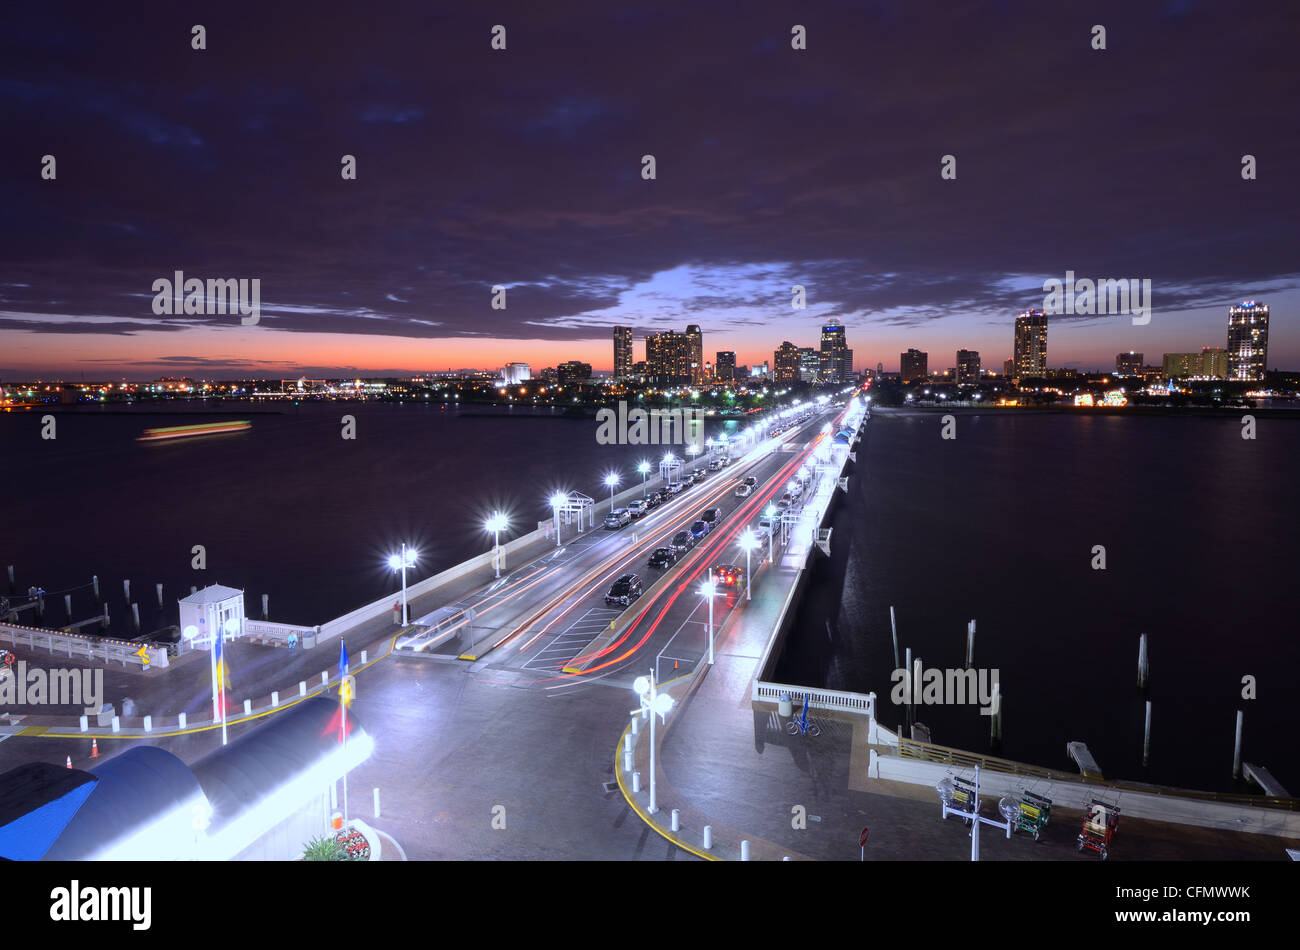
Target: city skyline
[{"x": 225, "y": 163}]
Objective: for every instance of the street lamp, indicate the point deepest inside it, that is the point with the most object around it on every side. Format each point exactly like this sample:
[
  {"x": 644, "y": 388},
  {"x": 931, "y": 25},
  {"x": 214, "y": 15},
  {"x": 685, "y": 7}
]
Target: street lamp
[
  {"x": 612, "y": 480},
  {"x": 557, "y": 502},
  {"x": 692, "y": 450},
  {"x": 400, "y": 562},
  {"x": 496, "y": 524},
  {"x": 710, "y": 590},
  {"x": 654, "y": 703},
  {"x": 771, "y": 529},
  {"x": 748, "y": 542},
  {"x": 644, "y": 468}
]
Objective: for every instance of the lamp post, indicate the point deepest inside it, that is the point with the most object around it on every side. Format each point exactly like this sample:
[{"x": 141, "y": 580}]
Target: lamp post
[
  {"x": 771, "y": 529},
  {"x": 652, "y": 702},
  {"x": 612, "y": 479},
  {"x": 748, "y": 542},
  {"x": 644, "y": 468},
  {"x": 557, "y": 502},
  {"x": 692, "y": 450},
  {"x": 496, "y": 524},
  {"x": 400, "y": 562},
  {"x": 710, "y": 590}
]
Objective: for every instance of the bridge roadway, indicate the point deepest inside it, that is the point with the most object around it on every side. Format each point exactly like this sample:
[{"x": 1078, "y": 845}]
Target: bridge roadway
[{"x": 540, "y": 617}]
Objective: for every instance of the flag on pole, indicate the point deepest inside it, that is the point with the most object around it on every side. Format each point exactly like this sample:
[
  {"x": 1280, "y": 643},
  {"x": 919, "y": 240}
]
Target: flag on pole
[
  {"x": 220, "y": 664},
  {"x": 343, "y": 658}
]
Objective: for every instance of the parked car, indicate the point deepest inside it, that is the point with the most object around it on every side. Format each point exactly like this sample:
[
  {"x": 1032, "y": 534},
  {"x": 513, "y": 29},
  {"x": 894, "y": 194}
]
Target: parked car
[
  {"x": 726, "y": 460},
  {"x": 682, "y": 542},
  {"x": 663, "y": 557},
  {"x": 765, "y": 522},
  {"x": 783, "y": 504},
  {"x": 653, "y": 499},
  {"x": 624, "y": 590},
  {"x": 699, "y": 529},
  {"x": 637, "y": 507},
  {"x": 715, "y": 464},
  {"x": 795, "y": 492},
  {"x": 712, "y": 516},
  {"x": 698, "y": 475},
  {"x": 618, "y": 518},
  {"x": 742, "y": 491},
  {"x": 674, "y": 488}
]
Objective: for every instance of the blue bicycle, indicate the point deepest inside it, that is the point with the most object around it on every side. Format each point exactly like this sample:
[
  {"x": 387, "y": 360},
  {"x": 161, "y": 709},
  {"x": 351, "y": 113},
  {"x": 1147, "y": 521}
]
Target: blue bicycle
[{"x": 801, "y": 725}]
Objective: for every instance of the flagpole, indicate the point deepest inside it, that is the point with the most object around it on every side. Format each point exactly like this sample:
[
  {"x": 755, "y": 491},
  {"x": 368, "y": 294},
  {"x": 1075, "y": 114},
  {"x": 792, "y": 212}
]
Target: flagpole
[{"x": 222, "y": 634}]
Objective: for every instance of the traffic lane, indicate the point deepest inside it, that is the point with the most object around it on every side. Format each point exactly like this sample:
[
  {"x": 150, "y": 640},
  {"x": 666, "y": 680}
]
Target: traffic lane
[
  {"x": 764, "y": 468},
  {"x": 645, "y": 629}
]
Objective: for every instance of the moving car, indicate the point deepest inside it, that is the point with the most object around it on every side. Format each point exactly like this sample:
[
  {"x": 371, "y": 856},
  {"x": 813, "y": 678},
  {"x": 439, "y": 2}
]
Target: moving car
[
  {"x": 751, "y": 481},
  {"x": 682, "y": 542},
  {"x": 742, "y": 491},
  {"x": 663, "y": 557},
  {"x": 728, "y": 575},
  {"x": 618, "y": 518},
  {"x": 699, "y": 529},
  {"x": 711, "y": 515},
  {"x": 624, "y": 590}
]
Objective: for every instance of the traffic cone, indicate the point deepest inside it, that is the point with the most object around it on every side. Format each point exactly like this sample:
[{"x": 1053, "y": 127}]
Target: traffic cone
[
  {"x": 674, "y": 664},
  {"x": 69, "y": 761},
  {"x": 94, "y": 748}
]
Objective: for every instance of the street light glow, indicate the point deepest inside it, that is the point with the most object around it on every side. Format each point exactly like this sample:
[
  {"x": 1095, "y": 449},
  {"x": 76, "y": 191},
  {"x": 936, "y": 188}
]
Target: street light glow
[{"x": 497, "y": 522}]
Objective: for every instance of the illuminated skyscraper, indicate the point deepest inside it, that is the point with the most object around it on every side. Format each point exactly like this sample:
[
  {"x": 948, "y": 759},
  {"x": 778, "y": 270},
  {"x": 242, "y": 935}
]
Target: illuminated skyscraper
[
  {"x": 1128, "y": 364},
  {"x": 914, "y": 364},
  {"x": 622, "y": 352},
  {"x": 725, "y": 367},
  {"x": 785, "y": 363},
  {"x": 1031, "y": 344},
  {"x": 968, "y": 366},
  {"x": 1247, "y": 341},
  {"x": 836, "y": 357}
]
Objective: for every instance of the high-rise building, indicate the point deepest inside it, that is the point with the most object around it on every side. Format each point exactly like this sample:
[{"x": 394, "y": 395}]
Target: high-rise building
[
  {"x": 914, "y": 364},
  {"x": 622, "y": 352},
  {"x": 573, "y": 372},
  {"x": 810, "y": 364},
  {"x": 517, "y": 373},
  {"x": 968, "y": 366},
  {"x": 785, "y": 363},
  {"x": 1128, "y": 364},
  {"x": 1031, "y": 345},
  {"x": 1181, "y": 365},
  {"x": 668, "y": 357},
  {"x": 725, "y": 367},
  {"x": 695, "y": 353},
  {"x": 1008, "y": 368},
  {"x": 836, "y": 357},
  {"x": 1214, "y": 362},
  {"x": 1247, "y": 341}
]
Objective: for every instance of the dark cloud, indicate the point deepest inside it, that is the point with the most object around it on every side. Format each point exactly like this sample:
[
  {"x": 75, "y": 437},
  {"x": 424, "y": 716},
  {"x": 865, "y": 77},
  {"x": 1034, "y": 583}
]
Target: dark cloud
[{"x": 523, "y": 167}]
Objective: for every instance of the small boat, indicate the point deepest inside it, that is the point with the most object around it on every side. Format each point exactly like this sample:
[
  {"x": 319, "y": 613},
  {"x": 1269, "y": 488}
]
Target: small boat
[{"x": 185, "y": 432}]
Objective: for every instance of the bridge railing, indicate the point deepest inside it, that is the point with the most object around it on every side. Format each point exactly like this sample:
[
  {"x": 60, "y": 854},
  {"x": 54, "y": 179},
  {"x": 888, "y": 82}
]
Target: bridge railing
[{"x": 862, "y": 704}]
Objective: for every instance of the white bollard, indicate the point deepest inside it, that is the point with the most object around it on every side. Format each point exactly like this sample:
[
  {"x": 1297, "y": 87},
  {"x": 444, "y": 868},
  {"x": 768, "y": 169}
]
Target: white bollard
[
  {"x": 744, "y": 850},
  {"x": 85, "y": 723},
  {"x": 636, "y": 728},
  {"x": 302, "y": 687},
  {"x": 275, "y": 698},
  {"x": 181, "y": 718},
  {"x": 627, "y": 742},
  {"x": 636, "y": 782},
  {"x": 708, "y": 837},
  {"x": 363, "y": 657},
  {"x": 376, "y": 801},
  {"x": 324, "y": 677},
  {"x": 117, "y": 724},
  {"x": 248, "y": 707},
  {"x": 677, "y": 820},
  {"x": 148, "y": 723},
  {"x": 627, "y": 761}
]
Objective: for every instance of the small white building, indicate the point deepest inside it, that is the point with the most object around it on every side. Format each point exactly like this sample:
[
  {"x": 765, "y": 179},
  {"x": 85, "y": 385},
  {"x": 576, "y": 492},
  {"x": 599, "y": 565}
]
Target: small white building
[{"x": 212, "y": 608}]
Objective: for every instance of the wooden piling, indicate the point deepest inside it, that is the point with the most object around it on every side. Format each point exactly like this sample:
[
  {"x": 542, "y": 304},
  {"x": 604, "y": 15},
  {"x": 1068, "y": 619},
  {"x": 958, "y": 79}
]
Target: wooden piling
[
  {"x": 1146, "y": 738},
  {"x": 1236, "y": 747},
  {"x": 158, "y": 587},
  {"x": 970, "y": 644},
  {"x": 126, "y": 589},
  {"x": 893, "y": 629},
  {"x": 67, "y": 606},
  {"x": 1144, "y": 666},
  {"x": 135, "y": 616},
  {"x": 265, "y": 599},
  {"x": 94, "y": 582}
]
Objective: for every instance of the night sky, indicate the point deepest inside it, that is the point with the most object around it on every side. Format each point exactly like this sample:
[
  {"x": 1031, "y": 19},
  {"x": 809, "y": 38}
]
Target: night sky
[{"x": 522, "y": 167}]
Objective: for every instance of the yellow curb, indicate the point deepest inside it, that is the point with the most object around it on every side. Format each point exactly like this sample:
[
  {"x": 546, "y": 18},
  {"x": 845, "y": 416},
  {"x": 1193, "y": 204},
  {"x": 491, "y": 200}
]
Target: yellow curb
[{"x": 645, "y": 816}]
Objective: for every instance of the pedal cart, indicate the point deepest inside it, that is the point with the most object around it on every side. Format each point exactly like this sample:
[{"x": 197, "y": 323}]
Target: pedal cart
[
  {"x": 1030, "y": 813},
  {"x": 957, "y": 797},
  {"x": 1099, "y": 824}
]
